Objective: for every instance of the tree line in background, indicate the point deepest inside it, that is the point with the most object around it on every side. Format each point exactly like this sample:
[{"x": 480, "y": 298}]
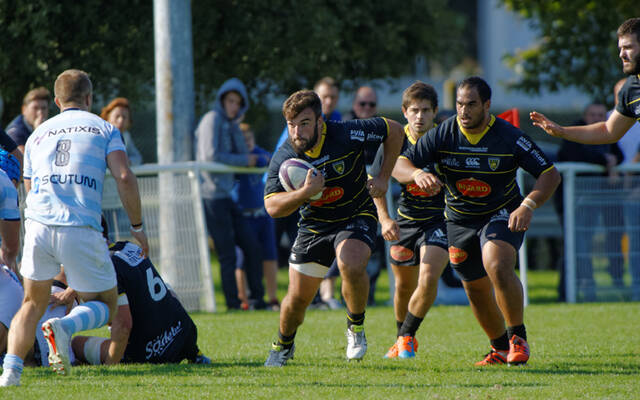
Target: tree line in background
[
  {"x": 576, "y": 46},
  {"x": 275, "y": 46}
]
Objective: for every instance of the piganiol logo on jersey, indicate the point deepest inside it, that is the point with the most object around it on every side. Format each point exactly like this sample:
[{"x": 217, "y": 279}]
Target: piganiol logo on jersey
[
  {"x": 374, "y": 138},
  {"x": 156, "y": 347},
  {"x": 329, "y": 195},
  {"x": 415, "y": 190},
  {"x": 524, "y": 143},
  {"x": 473, "y": 162},
  {"x": 474, "y": 149},
  {"x": 357, "y": 134},
  {"x": 472, "y": 187},
  {"x": 536, "y": 154}
]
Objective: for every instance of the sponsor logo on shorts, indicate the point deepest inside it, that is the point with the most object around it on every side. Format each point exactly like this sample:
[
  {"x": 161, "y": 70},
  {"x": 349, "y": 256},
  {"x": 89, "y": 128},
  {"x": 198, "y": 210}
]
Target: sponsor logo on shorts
[
  {"x": 329, "y": 195},
  {"x": 494, "y": 163},
  {"x": 157, "y": 346},
  {"x": 338, "y": 167},
  {"x": 472, "y": 187},
  {"x": 502, "y": 215},
  {"x": 400, "y": 253},
  {"x": 415, "y": 190},
  {"x": 456, "y": 255}
]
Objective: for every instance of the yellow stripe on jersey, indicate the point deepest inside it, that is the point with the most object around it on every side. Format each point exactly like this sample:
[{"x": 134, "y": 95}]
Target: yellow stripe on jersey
[
  {"x": 413, "y": 218},
  {"x": 633, "y": 101},
  {"x": 480, "y": 172},
  {"x": 548, "y": 169},
  {"x": 271, "y": 195},
  {"x": 468, "y": 153},
  {"x": 474, "y": 138},
  {"x": 485, "y": 212}
]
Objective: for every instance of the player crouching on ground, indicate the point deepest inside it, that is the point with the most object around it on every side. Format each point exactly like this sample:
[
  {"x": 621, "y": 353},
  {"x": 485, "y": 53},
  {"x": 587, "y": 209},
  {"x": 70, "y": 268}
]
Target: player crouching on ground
[{"x": 151, "y": 326}]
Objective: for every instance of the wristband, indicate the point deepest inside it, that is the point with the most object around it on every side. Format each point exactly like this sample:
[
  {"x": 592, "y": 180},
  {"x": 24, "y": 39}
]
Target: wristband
[
  {"x": 532, "y": 204},
  {"x": 416, "y": 173},
  {"x": 523, "y": 204},
  {"x": 137, "y": 227}
]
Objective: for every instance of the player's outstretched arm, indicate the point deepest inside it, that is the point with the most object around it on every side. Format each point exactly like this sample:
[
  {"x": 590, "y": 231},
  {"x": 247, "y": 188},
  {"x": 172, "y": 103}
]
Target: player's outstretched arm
[
  {"x": 544, "y": 187},
  {"x": 599, "y": 133},
  {"x": 127, "y": 184},
  {"x": 281, "y": 204}
]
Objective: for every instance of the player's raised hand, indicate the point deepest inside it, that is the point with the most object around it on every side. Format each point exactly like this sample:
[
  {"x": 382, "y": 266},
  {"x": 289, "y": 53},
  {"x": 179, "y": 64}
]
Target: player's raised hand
[
  {"x": 377, "y": 186},
  {"x": 313, "y": 183},
  {"x": 427, "y": 181},
  {"x": 141, "y": 237},
  {"x": 545, "y": 124}
]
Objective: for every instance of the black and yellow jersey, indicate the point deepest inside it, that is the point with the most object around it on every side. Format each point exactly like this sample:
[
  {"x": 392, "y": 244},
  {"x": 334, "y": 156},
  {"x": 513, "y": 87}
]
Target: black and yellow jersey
[
  {"x": 479, "y": 170},
  {"x": 340, "y": 158},
  {"x": 414, "y": 203},
  {"x": 629, "y": 98}
]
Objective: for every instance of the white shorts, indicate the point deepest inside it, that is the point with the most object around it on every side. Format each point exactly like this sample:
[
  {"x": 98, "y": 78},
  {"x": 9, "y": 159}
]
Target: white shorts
[
  {"x": 82, "y": 250},
  {"x": 11, "y": 294}
]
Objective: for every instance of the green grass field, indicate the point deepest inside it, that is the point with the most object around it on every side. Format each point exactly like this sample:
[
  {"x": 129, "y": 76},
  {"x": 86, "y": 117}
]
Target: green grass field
[{"x": 585, "y": 351}]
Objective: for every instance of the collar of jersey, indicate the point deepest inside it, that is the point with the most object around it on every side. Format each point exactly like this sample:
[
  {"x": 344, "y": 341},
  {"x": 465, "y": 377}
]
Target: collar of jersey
[
  {"x": 474, "y": 138},
  {"x": 315, "y": 152},
  {"x": 407, "y": 132}
]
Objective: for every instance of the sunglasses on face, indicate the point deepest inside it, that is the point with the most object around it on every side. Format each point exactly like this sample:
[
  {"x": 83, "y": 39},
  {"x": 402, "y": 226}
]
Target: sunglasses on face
[{"x": 371, "y": 104}]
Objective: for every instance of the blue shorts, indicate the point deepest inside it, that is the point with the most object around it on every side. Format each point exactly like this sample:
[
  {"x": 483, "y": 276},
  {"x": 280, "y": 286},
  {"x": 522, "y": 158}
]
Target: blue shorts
[{"x": 264, "y": 229}]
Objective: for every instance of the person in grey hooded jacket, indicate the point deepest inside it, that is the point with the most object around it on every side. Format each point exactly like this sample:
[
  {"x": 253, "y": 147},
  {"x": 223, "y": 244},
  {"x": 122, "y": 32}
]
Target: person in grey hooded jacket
[{"x": 219, "y": 139}]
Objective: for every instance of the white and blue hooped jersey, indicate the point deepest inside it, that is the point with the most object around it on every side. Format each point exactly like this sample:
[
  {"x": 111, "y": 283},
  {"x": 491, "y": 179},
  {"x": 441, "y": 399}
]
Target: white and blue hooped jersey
[
  {"x": 66, "y": 159},
  {"x": 9, "y": 209}
]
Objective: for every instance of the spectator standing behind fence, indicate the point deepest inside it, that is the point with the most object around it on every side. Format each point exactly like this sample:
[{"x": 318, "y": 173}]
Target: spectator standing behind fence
[
  {"x": 250, "y": 190},
  {"x": 35, "y": 110},
  {"x": 589, "y": 212},
  {"x": 118, "y": 114},
  {"x": 365, "y": 105},
  {"x": 219, "y": 139}
]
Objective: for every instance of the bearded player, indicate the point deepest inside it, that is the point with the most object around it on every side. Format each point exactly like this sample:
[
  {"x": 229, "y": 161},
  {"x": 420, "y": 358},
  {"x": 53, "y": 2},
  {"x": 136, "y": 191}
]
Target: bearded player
[{"x": 341, "y": 224}]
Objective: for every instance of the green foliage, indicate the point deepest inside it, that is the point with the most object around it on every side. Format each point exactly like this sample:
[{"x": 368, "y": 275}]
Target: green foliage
[
  {"x": 576, "y": 47},
  {"x": 43, "y": 38},
  {"x": 275, "y": 47}
]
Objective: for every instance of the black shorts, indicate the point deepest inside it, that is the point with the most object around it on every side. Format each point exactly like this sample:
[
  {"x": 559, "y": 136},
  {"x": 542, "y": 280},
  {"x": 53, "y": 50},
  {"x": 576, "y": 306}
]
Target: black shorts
[
  {"x": 183, "y": 345},
  {"x": 413, "y": 235},
  {"x": 466, "y": 242},
  {"x": 320, "y": 248}
]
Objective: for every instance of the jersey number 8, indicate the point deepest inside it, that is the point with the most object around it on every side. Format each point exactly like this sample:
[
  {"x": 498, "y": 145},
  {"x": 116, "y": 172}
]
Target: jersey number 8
[{"x": 62, "y": 152}]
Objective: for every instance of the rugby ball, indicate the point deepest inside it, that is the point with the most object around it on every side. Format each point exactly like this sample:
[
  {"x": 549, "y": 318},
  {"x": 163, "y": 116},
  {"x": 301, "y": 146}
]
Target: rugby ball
[{"x": 292, "y": 174}]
